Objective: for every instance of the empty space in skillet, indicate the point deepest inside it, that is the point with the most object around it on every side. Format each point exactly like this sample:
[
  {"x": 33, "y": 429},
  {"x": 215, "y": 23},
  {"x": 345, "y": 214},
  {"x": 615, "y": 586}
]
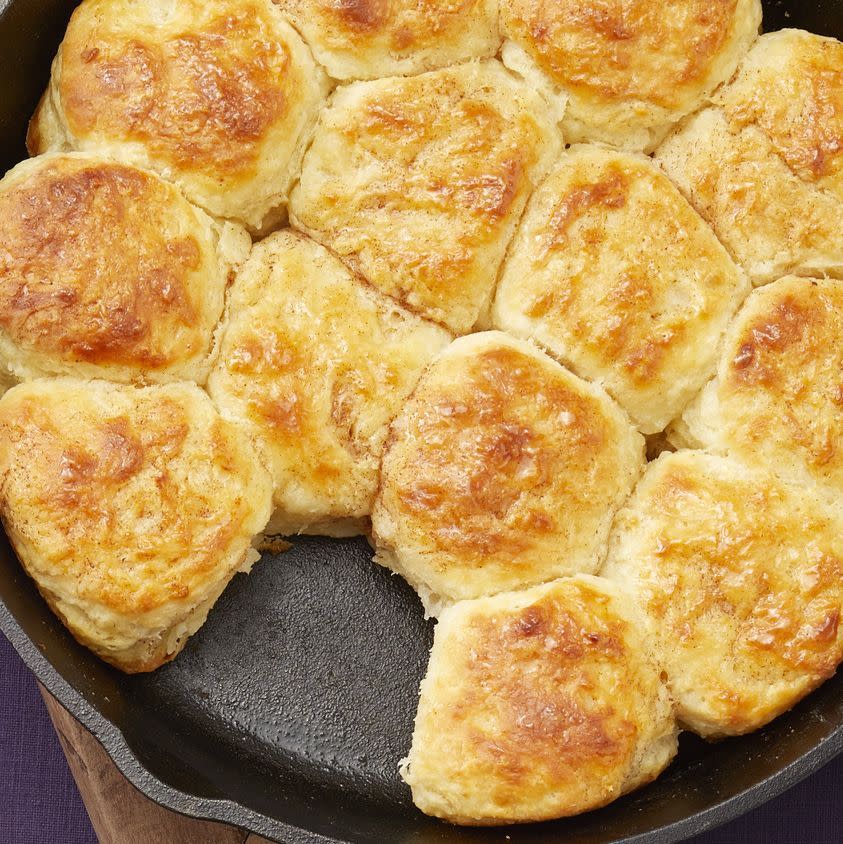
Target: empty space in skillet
[{"x": 296, "y": 699}]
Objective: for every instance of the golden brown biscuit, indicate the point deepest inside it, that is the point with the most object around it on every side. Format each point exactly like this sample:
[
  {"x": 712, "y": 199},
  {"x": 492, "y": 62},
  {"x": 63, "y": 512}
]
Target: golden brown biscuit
[
  {"x": 790, "y": 86},
  {"x": 316, "y": 364},
  {"x": 366, "y": 39},
  {"x": 417, "y": 183},
  {"x": 219, "y": 96},
  {"x": 629, "y": 69},
  {"x": 138, "y": 508},
  {"x": 503, "y": 471},
  {"x": 771, "y": 221},
  {"x": 777, "y": 399},
  {"x": 537, "y": 705},
  {"x": 107, "y": 271},
  {"x": 618, "y": 277},
  {"x": 741, "y": 577},
  {"x": 765, "y": 169}
]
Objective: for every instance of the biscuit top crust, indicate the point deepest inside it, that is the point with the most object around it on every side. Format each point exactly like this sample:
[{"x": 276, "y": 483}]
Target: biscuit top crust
[
  {"x": 748, "y": 193},
  {"x": 365, "y": 39},
  {"x": 503, "y": 470},
  {"x": 136, "y": 502},
  {"x": 417, "y": 183},
  {"x": 616, "y": 274},
  {"x": 212, "y": 94},
  {"x": 663, "y": 56},
  {"x": 791, "y": 87},
  {"x": 742, "y": 577},
  {"x": 536, "y": 706},
  {"x": 107, "y": 265},
  {"x": 781, "y": 378},
  {"x": 201, "y": 99},
  {"x": 318, "y": 364}
]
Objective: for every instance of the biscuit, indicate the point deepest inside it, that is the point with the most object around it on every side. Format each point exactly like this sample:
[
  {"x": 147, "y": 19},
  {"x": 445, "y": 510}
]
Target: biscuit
[
  {"x": 777, "y": 400},
  {"x": 629, "y": 69},
  {"x": 139, "y": 508},
  {"x": 764, "y": 167},
  {"x": 503, "y": 471},
  {"x": 615, "y": 274},
  {"x": 315, "y": 364},
  {"x": 418, "y": 183},
  {"x": 538, "y": 705},
  {"x": 107, "y": 271},
  {"x": 741, "y": 578},
  {"x": 790, "y": 86},
  {"x": 366, "y": 39},
  {"x": 219, "y": 97}
]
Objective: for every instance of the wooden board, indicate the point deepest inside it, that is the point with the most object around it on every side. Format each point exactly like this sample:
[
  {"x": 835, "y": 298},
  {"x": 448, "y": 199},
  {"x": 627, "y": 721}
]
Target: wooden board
[{"x": 119, "y": 813}]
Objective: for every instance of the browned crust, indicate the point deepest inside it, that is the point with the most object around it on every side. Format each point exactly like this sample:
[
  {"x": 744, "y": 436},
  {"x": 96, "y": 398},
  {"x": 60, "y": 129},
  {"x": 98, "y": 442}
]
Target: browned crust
[{"x": 99, "y": 267}]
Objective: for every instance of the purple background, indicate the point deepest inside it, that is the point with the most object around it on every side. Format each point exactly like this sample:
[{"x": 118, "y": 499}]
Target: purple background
[{"x": 39, "y": 803}]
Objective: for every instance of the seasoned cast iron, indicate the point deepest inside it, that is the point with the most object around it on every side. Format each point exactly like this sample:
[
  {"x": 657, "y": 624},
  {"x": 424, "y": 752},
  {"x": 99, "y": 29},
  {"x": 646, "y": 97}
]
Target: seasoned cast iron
[{"x": 288, "y": 712}]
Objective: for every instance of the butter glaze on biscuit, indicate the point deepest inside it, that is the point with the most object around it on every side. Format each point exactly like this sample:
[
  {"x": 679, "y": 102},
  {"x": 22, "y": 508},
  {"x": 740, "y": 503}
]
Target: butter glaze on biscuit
[
  {"x": 504, "y": 470},
  {"x": 107, "y": 271},
  {"x": 418, "y": 183},
  {"x": 777, "y": 400},
  {"x": 628, "y": 70},
  {"x": 367, "y": 39},
  {"x": 315, "y": 364},
  {"x": 616, "y": 275},
  {"x": 139, "y": 508},
  {"x": 537, "y": 705},
  {"x": 218, "y": 96},
  {"x": 790, "y": 86},
  {"x": 741, "y": 577},
  {"x": 764, "y": 166}
]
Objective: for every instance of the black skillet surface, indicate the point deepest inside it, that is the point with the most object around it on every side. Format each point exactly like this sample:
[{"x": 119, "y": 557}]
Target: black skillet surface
[{"x": 288, "y": 712}]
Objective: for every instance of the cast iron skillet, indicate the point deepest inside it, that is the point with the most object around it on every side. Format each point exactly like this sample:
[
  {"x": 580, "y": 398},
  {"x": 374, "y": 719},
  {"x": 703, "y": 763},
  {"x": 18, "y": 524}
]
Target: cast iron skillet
[{"x": 288, "y": 712}]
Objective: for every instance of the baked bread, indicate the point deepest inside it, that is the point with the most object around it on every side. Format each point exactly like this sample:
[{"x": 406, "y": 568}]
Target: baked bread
[
  {"x": 219, "y": 96},
  {"x": 741, "y": 578},
  {"x": 777, "y": 400},
  {"x": 790, "y": 86},
  {"x": 314, "y": 364},
  {"x": 107, "y": 271},
  {"x": 503, "y": 471},
  {"x": 538, "y": 704},
  {"x": 764, "y": 168},
  {"x": 618, "y": 277},
  {"x": 367, "y": 39},
  {"x": 629, "y": 70},
  {"x": 131, "y": 509},
  {"x": 418, "y": 183}
]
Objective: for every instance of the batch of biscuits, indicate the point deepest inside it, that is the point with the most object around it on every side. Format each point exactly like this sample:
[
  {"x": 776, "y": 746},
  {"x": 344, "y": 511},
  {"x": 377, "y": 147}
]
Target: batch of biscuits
[{"x": 543, "y": 296}]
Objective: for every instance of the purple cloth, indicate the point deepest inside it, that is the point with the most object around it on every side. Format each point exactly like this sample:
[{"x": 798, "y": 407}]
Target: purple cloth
[{"x": 39, "y": 803}]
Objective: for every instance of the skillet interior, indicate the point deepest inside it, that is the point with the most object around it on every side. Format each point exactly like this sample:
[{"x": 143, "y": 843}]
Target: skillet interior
[{"x": 289, "y": 710}]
